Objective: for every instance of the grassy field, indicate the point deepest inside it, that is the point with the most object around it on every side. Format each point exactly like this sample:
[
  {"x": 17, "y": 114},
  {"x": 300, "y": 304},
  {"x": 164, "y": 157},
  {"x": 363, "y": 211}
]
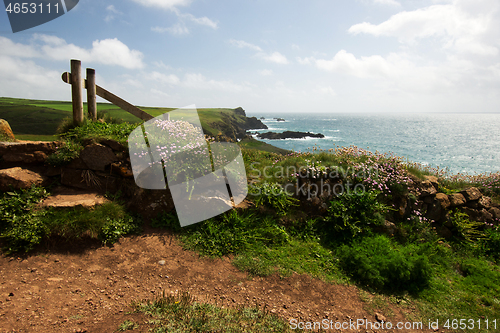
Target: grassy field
[{"x": 39, "y": 120}]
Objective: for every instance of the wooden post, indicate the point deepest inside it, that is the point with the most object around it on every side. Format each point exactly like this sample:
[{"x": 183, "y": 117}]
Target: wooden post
[
  {"x": 91, "y": 95},
  {"x": 76, "y": 91},
  {"x": 101, "y": 92}
]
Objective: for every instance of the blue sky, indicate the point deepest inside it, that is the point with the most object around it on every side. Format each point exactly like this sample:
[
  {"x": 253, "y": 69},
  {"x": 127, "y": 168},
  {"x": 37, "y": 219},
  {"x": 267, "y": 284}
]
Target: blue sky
[{"x": 274, "y": 56}]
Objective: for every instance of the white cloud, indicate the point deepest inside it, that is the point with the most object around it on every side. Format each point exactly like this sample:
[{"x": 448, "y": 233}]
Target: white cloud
[
  {"x": 9, "y": 48},
  {"x": 201, "y": 21},
  {"x": 387, "y": 2},
  {"x": 24, "y": 78},
  {"x": 295, "y": 47},
  {"x": 347, "y": 63},
  {"x": 112, "y": 9},
  {"x": 325, "y": 90},
  {"x": 266, "y": 72},
  {"x": 460, "y": 26},
  {"x": 170, "y": 79},
  {"x": 164, "y": 4},
  {"x": 111, "y": 13},
  {"x": 396, "y": 71},
  {"x": 305, "y": 61},
  {"x": 178, "y": 29},
  {"x": 161, "y": 64},
  {"x": 106, "y": 51},
  {"x": 275, "y": 57},
  {"x": 242, "y": 44},
  {"x": 198, "y": 81}
]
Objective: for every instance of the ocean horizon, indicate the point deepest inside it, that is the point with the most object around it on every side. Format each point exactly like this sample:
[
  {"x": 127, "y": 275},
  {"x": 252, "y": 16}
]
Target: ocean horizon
[{"x": 459, "y": 142}]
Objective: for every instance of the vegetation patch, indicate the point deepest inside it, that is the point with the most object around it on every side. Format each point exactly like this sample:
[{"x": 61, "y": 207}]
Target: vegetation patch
[
  {"x": 182, "y": 313},
  {"x": 377, "y": 263},
  {"x": 23, "y": 225}
]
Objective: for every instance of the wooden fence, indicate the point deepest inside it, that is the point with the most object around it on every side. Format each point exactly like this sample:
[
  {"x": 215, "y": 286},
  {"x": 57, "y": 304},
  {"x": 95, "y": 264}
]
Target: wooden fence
[{"x": 77, "y": 82}]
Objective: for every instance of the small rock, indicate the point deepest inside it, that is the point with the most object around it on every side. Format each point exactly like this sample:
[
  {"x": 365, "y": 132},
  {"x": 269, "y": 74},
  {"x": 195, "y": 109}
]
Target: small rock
[
  {"x": 19, "y": 178},
  {"x": 433, "y": 180},
  {"x": 97, "y": 156},
  {"x": 427, "y": 188},
  {"x": 485, "y": 216},
  {"x": 6, "y": 133},
  {"x": 162, "y": 262},
  {"x": 471, "y": 194},
  {"x": 495, "y": 212},
  {"x": 11, "y": 294},
  {"x": 484, "y": 202},
  {"x": 456, "y": 199},
  {"x": 380, "y": 317},
  {"x": 443, "y": 200}
]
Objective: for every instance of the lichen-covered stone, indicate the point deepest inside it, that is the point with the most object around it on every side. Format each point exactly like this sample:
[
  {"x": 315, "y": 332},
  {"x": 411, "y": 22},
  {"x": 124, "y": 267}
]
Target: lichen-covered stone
[
  {"x": 19, "y": 178},
  {"x": 97, "y": 156},
  {"x": 6, "y": 133},
  {"x": 456, "y": 199},
  {"x": 471, "y": 194},
  {"x": 427, "y": 188}
]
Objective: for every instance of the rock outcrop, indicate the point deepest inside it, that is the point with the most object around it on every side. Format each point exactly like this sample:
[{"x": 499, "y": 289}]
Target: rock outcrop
[{"x": 288, "y": 135}]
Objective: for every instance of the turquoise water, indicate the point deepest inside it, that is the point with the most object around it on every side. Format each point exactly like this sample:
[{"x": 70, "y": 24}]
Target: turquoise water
[{"x": 467, "y": 143}]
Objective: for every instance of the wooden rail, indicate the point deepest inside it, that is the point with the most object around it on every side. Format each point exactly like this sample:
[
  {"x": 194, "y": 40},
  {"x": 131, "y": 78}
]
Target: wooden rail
[{"x": 74, "y": 78}]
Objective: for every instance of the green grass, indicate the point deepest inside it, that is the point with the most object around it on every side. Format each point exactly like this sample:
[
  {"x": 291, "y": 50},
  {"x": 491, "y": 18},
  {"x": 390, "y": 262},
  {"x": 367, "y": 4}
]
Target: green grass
[
  {"x": 182, "y": 313},
  {"x": 127, "y": 325},
  {"x": 36, "y": 137},
  {"x": 251, "y": 143},
  {"x": 38, "y": 117}
]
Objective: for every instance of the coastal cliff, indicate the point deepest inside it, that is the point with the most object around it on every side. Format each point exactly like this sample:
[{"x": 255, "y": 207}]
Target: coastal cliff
[{"x": 230, "y": 123}]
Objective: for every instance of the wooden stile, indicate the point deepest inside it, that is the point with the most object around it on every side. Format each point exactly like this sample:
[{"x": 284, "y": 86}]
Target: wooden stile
[{"x": 101, "y": 92}]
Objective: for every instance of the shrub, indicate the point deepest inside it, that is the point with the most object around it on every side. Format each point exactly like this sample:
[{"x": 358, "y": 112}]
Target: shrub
[
  {"x": 233, "y": 233},
  {"x": 376, "y": 263},
  {"x": 272, "y": 195},
  {"x": 351, "y": 213},
  {"x": 64, "y": 154},
  {"x": 20, "y": 225},
  {"x": 113, "y": 229},
  {"x": 24, "y": 233},
  {"x": 491, "y": 243},
  {"x": 465, "y": 228}
]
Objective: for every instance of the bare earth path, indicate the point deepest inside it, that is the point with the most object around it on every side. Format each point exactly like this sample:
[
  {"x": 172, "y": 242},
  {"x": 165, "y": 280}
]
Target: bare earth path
[{"x": 91, "y": 290}]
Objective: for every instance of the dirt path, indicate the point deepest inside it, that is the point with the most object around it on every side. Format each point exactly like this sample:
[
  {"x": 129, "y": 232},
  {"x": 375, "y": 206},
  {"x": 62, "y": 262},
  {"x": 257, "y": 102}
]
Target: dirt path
[{"x": 91, "y": 290}]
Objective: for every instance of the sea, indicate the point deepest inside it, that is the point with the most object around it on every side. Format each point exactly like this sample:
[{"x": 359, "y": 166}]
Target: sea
[{"x": 461, "y": 143}]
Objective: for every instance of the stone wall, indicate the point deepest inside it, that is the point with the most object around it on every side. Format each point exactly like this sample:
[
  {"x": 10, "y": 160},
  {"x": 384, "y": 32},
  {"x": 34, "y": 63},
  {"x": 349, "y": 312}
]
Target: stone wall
[
  {"x": 425, "y": 199},
  {"x": 102, "y": 167}
]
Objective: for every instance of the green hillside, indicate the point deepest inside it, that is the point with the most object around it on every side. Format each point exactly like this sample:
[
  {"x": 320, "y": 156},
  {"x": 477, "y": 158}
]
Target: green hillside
[{"x": 29, "y": 118}]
